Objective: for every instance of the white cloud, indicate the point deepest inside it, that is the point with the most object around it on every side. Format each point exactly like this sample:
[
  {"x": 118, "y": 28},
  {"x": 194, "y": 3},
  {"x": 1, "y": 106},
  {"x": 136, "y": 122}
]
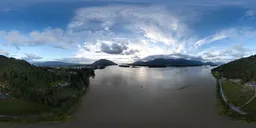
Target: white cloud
[
  {"x": 155, "y": 35},
  {"x": 249, "y": 14},
  {"x": 4, "y": 52},
  {"x": 210, "y": 39},
  {"x": 31, "y": 57},
  {"x": 81, "y": 60},
  {"x": 226, "y": 54},
  {"x": 147, "y": 30},
  {"x": 237, "y": 33},
  {"x": 54, "y": 37}
]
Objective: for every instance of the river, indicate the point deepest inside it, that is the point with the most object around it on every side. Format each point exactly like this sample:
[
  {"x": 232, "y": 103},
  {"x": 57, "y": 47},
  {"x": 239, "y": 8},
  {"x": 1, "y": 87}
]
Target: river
[{"x": 148, "y": 98}]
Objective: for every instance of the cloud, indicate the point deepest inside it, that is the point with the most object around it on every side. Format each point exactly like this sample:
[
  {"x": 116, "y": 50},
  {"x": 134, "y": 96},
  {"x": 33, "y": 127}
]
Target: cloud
[
  {"x": 31, "y": 57},
  {"x": 81, "y": 60},
  {"x": 116, "y": 30},
  {"x": 133, "y": 31},
  {"x": 210, "y": 39},
  {"x": 130, "y": 52},
  {"x": 144, "y": 30},
  {"x": 114, "y": 48},
  {"x": 207, "y": 3},
  {"x": 250, "y": 14},
  {"x": 154, "y": 23},
  {"x": 236, "y": 34},
  {"x": 227, "y": 54},
  {"x": 54, "y": 37},
  {"x": 4, "y": 52}
]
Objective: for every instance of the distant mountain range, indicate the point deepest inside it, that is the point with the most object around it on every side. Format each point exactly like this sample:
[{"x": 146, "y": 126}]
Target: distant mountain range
[
  {"x": 160, "y": 62},
  {"x": 97, "y": 64},
  {"x": 52, "y": 64},
  {"x": 157, "y": 62}
]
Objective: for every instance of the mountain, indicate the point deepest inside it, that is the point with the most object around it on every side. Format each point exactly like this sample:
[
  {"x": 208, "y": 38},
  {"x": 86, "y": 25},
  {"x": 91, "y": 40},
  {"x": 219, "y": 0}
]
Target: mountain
[
  {"x": 243, "y": 68},
  {"x": 52, "y": 63},
  {"x": 44, "y": 92},
  {"x": 6, "y": 62},
  {"x": 98, "y": 63},
  {"x": 21, "y": 74},
  {"x": 161, "y": 62},
  {"x": 3, "y": 57},
  {"x": 102, "y": 63},
  {"x": 139, "y": 63}
]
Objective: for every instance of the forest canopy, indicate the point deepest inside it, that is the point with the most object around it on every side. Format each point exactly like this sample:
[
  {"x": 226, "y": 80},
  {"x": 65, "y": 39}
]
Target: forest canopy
[
  {"x": 21, "y": 74},
  {"x": 244, "y": 68},
  {"x": 43, "y": 85}
]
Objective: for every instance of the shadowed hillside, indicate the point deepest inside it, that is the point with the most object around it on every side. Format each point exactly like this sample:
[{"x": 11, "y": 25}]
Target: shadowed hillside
[{"x": 244, "y": 68}]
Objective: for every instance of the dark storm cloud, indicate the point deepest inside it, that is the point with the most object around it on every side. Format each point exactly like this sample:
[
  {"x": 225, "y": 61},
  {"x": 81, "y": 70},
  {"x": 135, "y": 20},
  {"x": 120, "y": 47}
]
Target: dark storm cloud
[
  {"x": 114, "y": 48},
  {"x": 130, "y": 52}
]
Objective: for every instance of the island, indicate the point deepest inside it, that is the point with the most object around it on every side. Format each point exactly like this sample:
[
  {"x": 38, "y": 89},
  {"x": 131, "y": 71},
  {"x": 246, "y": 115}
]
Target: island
[
  {"x": 39, "y": 94},
  {"x": 101, "y": 64},
  {"x": 124, "y": 65},
  {"x": 236, "y": 88}
]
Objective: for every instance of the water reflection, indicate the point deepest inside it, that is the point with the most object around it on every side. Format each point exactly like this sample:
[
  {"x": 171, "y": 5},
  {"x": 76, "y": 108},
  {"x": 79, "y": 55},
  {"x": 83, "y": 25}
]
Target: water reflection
[
  {"x": 141, "y": 73},
  {"x": 163, "y": 78}
]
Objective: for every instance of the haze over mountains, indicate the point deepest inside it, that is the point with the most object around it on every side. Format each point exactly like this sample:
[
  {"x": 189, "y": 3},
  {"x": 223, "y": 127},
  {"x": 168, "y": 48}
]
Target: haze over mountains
[
  {"x": 52, "y": 63},
  {"x": 101, "y": 62},
  {"x": 155, "y": 62}
]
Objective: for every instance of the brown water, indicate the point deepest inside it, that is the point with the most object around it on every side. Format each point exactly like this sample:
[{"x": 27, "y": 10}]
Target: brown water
[{"x": 148, "y": 98}]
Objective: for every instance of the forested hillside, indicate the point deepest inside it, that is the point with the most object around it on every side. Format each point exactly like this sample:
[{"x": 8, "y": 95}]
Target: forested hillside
[
  {"x": 244, "y": 68},
  {"x": 21, "y": 74},
  {"x": 23, "y": 83}
]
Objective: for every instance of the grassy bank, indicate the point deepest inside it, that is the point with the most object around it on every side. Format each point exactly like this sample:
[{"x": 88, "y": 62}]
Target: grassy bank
[
  {"x": 237, "y": 94},
  {"x": 23, "y": 111},
  {"x": 251, "y": 107},
  {"x": 19, "y": 107},
  {"x": 225, "y": 110}
]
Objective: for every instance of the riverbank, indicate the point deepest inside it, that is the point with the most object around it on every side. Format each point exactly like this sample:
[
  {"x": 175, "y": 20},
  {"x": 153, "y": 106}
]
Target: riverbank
[{"x": 235, "y": 99}]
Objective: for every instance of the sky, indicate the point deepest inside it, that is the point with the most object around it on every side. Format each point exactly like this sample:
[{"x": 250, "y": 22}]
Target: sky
[{"x": 82, "y": 31}]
